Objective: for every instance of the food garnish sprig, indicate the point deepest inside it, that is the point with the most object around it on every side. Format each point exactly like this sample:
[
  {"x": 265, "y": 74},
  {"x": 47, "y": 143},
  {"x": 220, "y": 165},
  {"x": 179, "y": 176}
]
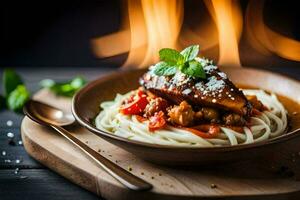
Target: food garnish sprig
[{"x": 184, "y": 61}]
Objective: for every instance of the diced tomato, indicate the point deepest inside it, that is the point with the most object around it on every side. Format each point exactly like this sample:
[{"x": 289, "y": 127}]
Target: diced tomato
[
  {"x": 157, "y": 121},
  {"x": 140, "y": 92},
  {"x": 135, "y": 104},
  {"x": 207, "y": 131},
  {"x": 140, "y": 118}
]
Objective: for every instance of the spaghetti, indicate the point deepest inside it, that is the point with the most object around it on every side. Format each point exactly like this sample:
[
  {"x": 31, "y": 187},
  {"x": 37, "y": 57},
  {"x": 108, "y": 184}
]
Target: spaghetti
[{"x": 268, "y": 124}]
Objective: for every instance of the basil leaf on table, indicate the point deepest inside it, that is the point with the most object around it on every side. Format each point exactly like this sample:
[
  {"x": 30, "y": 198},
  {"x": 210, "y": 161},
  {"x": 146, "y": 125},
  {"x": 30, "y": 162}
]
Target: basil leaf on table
[
  {"x": 10, "y": 81},
  {"x": 78, "y": 82},
  {"x": 67, "y": 89},
  {"x": 17, "y": 98},
  {"x": 163, "y": 69},
  {"x": 47, "y": 83}
]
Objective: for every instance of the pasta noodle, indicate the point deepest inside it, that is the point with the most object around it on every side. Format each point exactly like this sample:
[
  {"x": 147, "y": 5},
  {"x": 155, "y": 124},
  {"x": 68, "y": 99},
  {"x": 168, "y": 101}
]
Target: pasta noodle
[{"x": 269, "y": 124}]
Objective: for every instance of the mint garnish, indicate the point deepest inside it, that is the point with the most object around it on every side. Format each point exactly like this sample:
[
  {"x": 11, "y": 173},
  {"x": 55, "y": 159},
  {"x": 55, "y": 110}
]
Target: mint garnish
[
  {"x": 190, "y": 52},
  {"x": 171, "y": 56},
  {"x": 193, "y": 68},
  {"x": 163, "y": 69},
  {"x": 172, "y": 60}
]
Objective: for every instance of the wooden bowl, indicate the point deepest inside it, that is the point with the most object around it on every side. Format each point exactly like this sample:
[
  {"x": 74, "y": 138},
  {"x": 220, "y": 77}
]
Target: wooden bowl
[{"x": 85, "y": 106}]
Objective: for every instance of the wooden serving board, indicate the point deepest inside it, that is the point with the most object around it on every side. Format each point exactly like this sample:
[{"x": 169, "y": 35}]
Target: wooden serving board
[{"x": 242, "y": 180}]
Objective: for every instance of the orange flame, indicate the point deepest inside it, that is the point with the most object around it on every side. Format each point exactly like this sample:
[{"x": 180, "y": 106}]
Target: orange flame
[
  {"x": 149, "y": 25},
  {"x": 265, "y": 40},
  {"x": 153, "y": 24},
  {"x": 228, "y": 18}
]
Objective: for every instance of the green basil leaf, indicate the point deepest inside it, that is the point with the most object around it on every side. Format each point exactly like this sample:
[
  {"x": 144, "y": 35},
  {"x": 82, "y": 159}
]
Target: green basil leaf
[
  {"x": 190, "y": 52},
  {"x": 78, "y": 82},
  {"x": 163, "y": 69},
  {"x": 61, "y": 89},
  {"x": 193, "y": 68},
  {"x": 67, "y": 89},
  {"x": 47, "y": 83},
  {"x": 17, "y": 98},
  {"x": 10, "y": 81},
  {"x": 171, "y": 57}
]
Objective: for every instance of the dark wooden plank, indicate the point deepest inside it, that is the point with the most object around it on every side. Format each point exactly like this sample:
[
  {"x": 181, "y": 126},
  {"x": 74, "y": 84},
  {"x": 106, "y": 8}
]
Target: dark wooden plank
[
  {"x": 12, "y": 152},
  {"x": 59, "y": 73},
  {"x": 15, "y": 118},
  {"x": 39, "y": 184},
  {"x": 32, "y": 76}
]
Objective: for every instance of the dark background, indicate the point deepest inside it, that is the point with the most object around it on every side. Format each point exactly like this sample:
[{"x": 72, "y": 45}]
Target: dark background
[{"x": 58, "y": 33}]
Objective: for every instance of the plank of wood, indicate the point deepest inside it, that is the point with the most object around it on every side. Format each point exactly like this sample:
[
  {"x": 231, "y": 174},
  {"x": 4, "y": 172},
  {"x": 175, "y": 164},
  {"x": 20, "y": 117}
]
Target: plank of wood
[
  {"x": 33, "y": 75},
  {"x": 15, "y": 154},
  {"x": 242, "y": 180},
  {"x": 30, "y": 184},
  {"x": 6, "y": 115}
]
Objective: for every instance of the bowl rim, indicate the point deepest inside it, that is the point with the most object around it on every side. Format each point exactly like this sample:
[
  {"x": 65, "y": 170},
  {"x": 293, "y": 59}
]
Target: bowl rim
[{"x": 108, "y": 76}]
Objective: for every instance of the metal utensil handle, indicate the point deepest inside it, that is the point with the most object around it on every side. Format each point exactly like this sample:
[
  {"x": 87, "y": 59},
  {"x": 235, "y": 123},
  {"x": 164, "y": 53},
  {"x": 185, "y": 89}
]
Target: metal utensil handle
[{"x": 126, "y": 178}]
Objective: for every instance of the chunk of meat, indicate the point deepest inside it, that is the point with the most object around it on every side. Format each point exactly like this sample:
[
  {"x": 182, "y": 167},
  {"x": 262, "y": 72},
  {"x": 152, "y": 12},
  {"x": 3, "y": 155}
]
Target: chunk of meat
[
  {"x": 255, "y": 102},
  {"x": 233, "y": 119},
  {"x": 215, "y": 91},
  {"x": 182, "y": 115},
  {"x": 210, "y": 114},
  {"x": 155, "y": 105}
]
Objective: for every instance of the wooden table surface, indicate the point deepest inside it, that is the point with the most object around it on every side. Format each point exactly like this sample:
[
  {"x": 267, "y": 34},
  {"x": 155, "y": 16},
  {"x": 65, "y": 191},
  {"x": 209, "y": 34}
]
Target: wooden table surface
[{"x": 21, "y": 177}]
